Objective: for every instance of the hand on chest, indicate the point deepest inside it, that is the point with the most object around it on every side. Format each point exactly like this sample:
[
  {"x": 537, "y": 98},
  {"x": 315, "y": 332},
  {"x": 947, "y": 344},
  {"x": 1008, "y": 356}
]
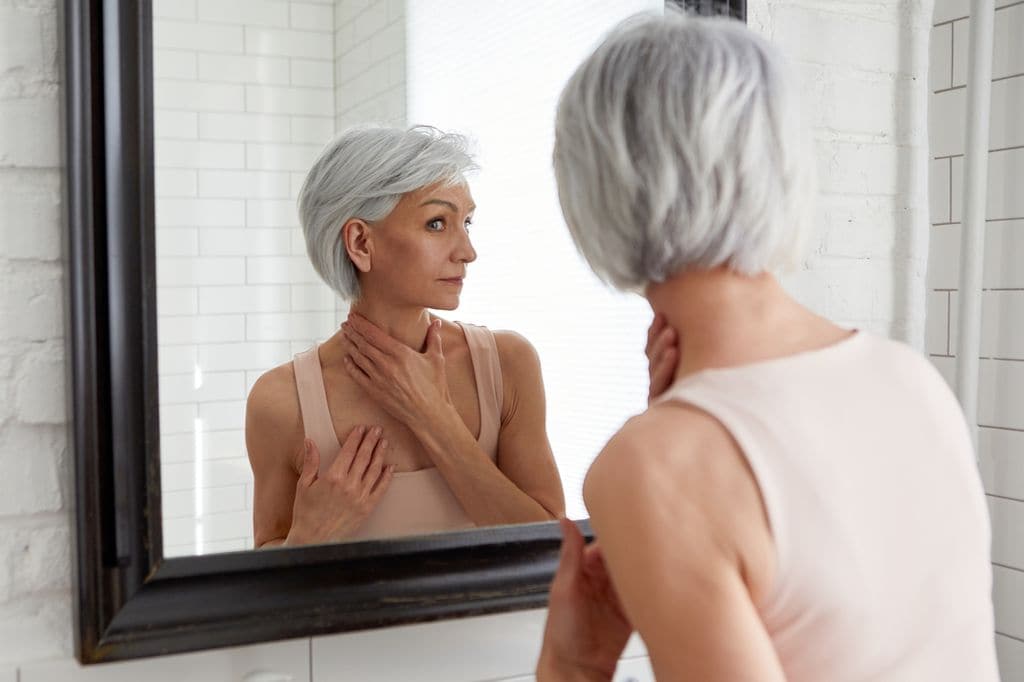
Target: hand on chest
[{"x": 351, "y": 406}]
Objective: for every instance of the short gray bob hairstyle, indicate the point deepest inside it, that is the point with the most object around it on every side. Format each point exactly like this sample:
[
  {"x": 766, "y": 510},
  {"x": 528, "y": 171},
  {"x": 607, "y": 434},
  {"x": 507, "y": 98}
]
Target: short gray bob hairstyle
[
  {"x": 678, "y": 147},
  {"x": 363, "y": 173}
]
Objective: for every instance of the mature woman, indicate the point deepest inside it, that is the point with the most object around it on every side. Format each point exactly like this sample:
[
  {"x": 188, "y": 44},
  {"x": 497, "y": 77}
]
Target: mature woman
[
  {"x": 802, "y": 503},
  {"x": 400, "y": 422}
]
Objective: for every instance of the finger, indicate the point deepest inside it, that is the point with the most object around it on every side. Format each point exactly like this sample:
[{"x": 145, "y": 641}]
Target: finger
[
  {"x": 365, "y": 452},
  {"x": 386, "y": 474},
  {"x": 354, "y": 350},
  {"x": 364, "y": 345},
  {"x": 310, "y": 462},
  {"x": 380, "y": 338},
  {"x": 356, "y": 361},
  {"x": 434, "y": 345},
  {"x": 376, "y": 464},
  {"x": 343, "y": 462},
  {"x": 360, "y": 377},
  {"x": 663, "y": 372},
  {"x": 666, "y": 339},
  {"x": 593, "y": 561},
  {"x": 572, "y": 545},
  {"x": 654, "y": 330}
]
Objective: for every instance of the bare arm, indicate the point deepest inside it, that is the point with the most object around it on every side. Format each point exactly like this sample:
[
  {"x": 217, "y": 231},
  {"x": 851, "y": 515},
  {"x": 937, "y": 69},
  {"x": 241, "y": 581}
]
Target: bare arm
[
  {"x": 525, "y": 486},
  {"x": 524, "y": 452},
  {"x": 661, "y": 505},
  {"x": 273, "y": 439}
]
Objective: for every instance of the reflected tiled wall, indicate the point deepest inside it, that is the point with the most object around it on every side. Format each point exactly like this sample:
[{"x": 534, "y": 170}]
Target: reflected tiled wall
[
  {"x": 243, "y": 102},
  {"x": 1001, "y": 398},
  {"x": 369, "y": 62}
]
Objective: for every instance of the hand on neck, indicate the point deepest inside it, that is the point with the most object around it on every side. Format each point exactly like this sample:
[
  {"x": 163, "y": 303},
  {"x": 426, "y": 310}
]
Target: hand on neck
[
  {"x": 407, "y": 324},
  {"x": 720, "y": 316}
]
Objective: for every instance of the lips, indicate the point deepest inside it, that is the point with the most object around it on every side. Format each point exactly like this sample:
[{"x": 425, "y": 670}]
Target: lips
[{"x": 453, "y": 280}]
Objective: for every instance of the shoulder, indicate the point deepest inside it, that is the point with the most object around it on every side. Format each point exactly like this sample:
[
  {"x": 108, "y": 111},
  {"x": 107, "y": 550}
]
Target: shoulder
[
  {"x": 273, "y": 388},
  {"x": 668, "y": 440},
  {"x": 522, "y": 383},
  {"x": 677, "y": 469},
  {"x": 514, "y": 350},
  {"x": 901, "y": 366},
  {"x": 272, "y": 413}
]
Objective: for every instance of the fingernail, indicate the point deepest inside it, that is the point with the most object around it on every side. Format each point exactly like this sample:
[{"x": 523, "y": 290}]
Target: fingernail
[
  {"x": 305, "y": 443},
  {"x": 384, "y": 443}
]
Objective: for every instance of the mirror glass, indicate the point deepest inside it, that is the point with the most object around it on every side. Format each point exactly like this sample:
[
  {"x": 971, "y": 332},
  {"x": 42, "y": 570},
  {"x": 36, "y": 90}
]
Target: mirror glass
[{"x": 246, "y": 95}]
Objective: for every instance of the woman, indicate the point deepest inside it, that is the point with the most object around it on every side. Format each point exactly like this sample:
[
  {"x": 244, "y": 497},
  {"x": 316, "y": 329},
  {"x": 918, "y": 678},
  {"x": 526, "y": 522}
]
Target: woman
[
  {"x": 802, "y": 503},
  {"x": 439, "y": 425}
]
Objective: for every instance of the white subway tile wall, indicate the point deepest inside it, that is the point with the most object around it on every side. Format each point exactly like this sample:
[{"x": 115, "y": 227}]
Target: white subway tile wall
[
  {"x": 243, "y": 101},
  {"x": 369, "y": 62},
  {"x": 1000, "y": 411}
]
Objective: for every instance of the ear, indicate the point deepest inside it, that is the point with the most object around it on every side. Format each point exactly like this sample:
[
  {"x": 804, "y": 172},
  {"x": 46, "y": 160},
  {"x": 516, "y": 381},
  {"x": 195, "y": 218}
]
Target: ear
[{"x": 356, "y": 237}]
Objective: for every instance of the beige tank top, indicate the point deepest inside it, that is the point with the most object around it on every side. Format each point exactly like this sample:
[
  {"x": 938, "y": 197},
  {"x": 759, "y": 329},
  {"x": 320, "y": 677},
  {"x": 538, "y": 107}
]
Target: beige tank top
[
  {"x": 874, "y": 499},
  {"x": 416, "y": 502}
]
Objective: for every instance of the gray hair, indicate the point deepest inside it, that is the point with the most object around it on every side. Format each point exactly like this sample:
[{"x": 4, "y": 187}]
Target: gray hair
[
  {"x": 363, "y": 173},
  {"x": 677, "y": 147}
]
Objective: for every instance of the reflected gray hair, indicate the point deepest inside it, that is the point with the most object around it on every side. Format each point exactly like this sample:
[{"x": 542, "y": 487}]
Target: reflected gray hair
[
  {"x": 678, "y": 147},
  {"x": 363, "y": 173}
]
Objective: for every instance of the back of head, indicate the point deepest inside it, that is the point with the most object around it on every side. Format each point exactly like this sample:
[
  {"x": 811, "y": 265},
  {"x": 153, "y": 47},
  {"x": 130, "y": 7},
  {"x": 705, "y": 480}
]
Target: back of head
[
  {"x": 363, "y": 173},
  {"x": 678, "y": 146}
]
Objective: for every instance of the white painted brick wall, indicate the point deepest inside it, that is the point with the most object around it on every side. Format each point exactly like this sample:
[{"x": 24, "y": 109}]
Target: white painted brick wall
[
  {"x": 1001, "y": 438},
  {"x": 858, "y": 67},
  {"x": 34, "y": 544},
  {"x": 859, "y": 246}
]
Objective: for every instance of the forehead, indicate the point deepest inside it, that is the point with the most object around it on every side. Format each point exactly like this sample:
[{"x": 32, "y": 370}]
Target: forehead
[{"x": 455, "y": 194}]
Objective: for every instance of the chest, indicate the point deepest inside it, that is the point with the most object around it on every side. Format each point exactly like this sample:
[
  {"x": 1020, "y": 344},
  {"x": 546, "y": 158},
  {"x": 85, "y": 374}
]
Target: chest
[{"x": 351, "y": 406}]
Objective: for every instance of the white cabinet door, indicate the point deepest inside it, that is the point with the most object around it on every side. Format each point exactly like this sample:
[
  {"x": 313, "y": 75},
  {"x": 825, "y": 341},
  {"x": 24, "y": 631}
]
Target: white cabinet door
[
  {"x": 286, "y": 661},
  {"x": 487, "y": 647}
]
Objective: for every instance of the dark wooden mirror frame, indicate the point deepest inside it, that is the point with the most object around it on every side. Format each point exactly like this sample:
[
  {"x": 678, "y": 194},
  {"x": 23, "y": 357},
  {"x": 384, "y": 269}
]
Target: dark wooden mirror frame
[{"x": 130, "y": 602}]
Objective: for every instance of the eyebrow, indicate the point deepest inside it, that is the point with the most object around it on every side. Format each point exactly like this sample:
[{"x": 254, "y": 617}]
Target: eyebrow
[{"x": 449, "y": 204}]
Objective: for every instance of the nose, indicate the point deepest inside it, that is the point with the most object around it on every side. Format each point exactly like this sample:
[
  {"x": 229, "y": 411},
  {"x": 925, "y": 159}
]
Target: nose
[{"x": 464, "y": 251}]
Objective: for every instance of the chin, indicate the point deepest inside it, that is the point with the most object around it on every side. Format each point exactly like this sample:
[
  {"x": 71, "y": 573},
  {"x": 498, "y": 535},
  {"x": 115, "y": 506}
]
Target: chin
[{"x": 443, "y": 304}]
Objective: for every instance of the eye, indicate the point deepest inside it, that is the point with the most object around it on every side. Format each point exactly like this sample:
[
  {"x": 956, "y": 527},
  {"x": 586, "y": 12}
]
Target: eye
[
  {"x": 468, "y": 223},
  {"x": 436, "y": 221}
]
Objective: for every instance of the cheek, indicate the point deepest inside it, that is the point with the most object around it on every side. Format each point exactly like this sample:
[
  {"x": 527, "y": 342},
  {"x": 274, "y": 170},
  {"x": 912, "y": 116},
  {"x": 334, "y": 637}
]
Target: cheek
[{"x": 411, "y": 259}]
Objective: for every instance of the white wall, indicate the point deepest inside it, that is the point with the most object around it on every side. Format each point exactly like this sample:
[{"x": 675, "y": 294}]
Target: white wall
[
  {"x": 861, "y": 273},
  {"x": 860, "y": 66},
  {"x": 1000, "y": 415}
]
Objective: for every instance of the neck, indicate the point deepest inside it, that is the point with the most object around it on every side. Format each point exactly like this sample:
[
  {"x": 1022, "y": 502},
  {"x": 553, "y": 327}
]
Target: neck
[
  {"x": 407, "y": 324},
  {"x": 723, "y": 318}
]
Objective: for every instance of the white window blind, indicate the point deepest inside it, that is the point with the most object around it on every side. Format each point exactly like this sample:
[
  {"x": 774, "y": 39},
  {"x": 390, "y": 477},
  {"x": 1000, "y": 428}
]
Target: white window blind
[{"x": 494, "y": 71}]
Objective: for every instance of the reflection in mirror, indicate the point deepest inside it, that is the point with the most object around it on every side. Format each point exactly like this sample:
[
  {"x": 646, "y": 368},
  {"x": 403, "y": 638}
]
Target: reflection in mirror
[{"x": 246, "y": 97}]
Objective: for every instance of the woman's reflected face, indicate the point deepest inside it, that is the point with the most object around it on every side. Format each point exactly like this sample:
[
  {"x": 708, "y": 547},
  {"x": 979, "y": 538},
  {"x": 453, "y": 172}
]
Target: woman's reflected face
[{"x": 421, "y": 250}]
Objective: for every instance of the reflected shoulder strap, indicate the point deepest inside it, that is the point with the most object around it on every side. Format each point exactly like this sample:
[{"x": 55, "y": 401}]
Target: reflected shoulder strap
[{"x": 316, "y": 416}]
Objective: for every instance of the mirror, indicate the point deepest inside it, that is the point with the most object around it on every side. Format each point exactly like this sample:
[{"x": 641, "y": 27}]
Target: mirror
[
  {"x": 162, "y": 355},
  {"x": 243, "y": 104}
]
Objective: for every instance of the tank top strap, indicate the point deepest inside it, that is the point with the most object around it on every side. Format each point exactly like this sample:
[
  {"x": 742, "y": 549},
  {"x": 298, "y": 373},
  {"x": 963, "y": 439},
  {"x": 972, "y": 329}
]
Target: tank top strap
[
  {"x": 483, "y": 351},
  {"x": 316, "y": 416}
]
